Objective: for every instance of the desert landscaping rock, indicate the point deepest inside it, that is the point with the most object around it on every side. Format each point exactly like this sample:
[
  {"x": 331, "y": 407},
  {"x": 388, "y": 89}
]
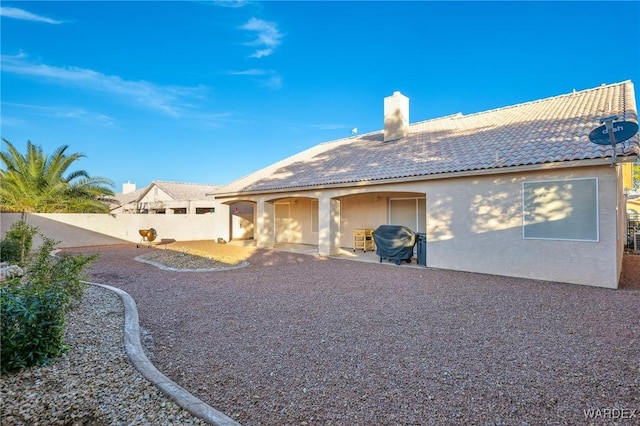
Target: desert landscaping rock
[
  {"x": 302, "y": 340},
  {"x": 93, "y": 383}
]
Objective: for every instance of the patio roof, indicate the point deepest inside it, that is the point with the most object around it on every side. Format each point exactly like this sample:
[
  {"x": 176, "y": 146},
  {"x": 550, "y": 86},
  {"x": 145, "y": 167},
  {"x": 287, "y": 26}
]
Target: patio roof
[{"x": 550, "y": 130}]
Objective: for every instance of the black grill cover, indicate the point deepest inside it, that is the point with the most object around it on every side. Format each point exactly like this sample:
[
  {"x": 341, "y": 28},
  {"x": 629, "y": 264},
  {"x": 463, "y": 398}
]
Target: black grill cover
[{"x": 394, "y": 242}]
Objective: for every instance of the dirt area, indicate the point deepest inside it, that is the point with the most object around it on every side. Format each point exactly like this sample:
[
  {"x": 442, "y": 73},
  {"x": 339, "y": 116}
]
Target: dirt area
[
  {"x": 630, "y": 276},
  {"x": 205, "y": 254}
]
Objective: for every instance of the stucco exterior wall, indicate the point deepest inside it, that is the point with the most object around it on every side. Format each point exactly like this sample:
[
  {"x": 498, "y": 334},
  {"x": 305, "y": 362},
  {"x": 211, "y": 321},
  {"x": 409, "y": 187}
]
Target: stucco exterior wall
[
  {"x": 77, "y": 230},
  {"x": 476, "y": 224},
  {"x": 297, "y": 227},
  {"x": 473, "y": 223}
]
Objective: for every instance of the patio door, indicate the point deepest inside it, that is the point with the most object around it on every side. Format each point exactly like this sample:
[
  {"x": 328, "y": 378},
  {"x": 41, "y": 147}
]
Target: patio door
[{"x": 410, "y": 212}]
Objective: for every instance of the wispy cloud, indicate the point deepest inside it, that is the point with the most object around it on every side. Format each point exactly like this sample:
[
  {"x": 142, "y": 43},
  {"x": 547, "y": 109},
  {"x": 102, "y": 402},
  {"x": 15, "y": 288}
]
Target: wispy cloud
[
  {"x": 274, "y": 81},
  {"x": 268, "y": 37},
  {"x": 170, "y": 100},
  {"x": 252, "y": 72},
  {"x": 13, "y": 12},
  {"x": 62, "y": 112},
  {"x": 264, "y": 78},
  {"x": 231, "y": 3}
]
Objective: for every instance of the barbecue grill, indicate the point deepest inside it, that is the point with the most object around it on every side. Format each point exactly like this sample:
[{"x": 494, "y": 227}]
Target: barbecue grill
[
  {"x": 147, "y": 235},
  {"x": 394, "y": 242}
]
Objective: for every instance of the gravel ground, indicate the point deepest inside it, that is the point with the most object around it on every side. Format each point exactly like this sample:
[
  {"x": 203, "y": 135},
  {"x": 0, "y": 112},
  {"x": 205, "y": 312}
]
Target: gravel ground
[
  {"x": 294, "y": 340},
  {"x": 93, "y": 382}
]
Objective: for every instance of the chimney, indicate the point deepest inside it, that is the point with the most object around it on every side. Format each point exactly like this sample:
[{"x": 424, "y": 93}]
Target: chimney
[
  {"x": 128, "y": 187},
  {"x": 396, "y": 117}
]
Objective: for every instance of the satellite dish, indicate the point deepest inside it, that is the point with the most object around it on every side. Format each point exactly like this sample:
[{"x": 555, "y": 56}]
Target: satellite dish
[
  {"x": 612, "y": 133},
  {"x": 621, "y": 130}
]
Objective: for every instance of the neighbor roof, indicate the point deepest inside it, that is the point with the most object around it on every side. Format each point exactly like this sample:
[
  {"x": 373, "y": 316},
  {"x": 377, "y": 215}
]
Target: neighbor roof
[
  {"x": 120, "y": 199},
  {"x": 184, "y": 191},
  {"x": 176, "y": 190},
  {"x": 550, "y": 130}
]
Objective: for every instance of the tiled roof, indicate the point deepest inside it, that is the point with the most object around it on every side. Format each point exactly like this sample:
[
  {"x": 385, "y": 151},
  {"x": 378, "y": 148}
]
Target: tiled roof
[
  {"x": 177, "y": 190},
  {"x": 121, "y": 199},
  {"x": 545, "y": 131},
  {"x": 185, "y": 191}
]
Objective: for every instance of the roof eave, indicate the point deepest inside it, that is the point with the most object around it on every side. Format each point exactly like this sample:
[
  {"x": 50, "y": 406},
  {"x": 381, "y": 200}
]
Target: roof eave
[{"x": 449, "y": 175}]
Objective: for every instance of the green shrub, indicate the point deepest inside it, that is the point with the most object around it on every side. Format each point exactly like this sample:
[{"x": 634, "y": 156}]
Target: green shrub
[
  {"x": 10, "y": 251},
  {"x": 33, "y": 307},
  {"x": 32, "y": 327},
  {"x": 17, "y": 243}
]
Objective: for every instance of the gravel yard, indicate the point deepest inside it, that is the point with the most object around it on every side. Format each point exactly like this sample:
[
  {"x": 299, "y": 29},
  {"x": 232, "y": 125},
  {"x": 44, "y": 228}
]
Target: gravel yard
[
  {"x": 293, "y": 339},
  {"x": 93, "y": 383}
]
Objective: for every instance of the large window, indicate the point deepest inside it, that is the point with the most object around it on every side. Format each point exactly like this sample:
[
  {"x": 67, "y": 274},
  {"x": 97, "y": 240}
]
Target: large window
[{"x": 561, "y": 209}]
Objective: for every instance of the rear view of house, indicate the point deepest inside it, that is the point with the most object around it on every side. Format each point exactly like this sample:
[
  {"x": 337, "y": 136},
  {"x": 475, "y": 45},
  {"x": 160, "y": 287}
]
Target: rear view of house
[{"x": 517, "y": 191}]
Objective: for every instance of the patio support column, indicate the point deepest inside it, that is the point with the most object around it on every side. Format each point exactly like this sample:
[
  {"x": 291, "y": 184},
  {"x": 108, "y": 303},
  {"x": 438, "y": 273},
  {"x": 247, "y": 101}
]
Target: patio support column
[
  {"x": 328, "y": 226},
  {"x": 265, "y": 220}
]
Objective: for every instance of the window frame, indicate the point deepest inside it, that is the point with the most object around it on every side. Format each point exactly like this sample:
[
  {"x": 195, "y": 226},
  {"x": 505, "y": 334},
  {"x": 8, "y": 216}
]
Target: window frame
[{"x": 595, "y": 207}]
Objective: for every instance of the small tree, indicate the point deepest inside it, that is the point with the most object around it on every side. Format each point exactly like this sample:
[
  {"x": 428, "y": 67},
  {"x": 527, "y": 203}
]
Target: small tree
[
  {"x": 17, "y": 243},
  {"x": 33, "y": 308}
]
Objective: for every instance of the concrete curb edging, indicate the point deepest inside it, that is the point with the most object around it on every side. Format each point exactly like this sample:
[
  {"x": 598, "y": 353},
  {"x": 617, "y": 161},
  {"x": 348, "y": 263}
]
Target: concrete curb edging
[{"x": 135, "y": 352}]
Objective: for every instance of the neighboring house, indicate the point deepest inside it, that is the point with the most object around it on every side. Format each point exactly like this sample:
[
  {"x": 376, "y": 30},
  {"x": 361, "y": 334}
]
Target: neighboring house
[
  {"x": 517, "y": 191},
  {"x": 233, "y": 221},
  {"x": 162, "y": 197}
]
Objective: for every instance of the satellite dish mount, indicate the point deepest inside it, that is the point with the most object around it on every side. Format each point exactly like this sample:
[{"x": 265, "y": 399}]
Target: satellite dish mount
[{"x": 613, "y": 133}]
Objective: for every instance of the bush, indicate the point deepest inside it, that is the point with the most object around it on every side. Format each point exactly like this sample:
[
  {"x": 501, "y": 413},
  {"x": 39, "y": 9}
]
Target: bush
[
  {"x": 17, "y": 243},
  {"x": 32, "y": 327},
  {"x": 33, "y": 307},
  {"x": 9, "y": 251},
  {"x": 63, "y": 274}
]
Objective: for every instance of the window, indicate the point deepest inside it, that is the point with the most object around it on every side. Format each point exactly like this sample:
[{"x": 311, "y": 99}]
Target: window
[
  {"x": 561, "y": 209},
  {"x": 205, "y": 210}
]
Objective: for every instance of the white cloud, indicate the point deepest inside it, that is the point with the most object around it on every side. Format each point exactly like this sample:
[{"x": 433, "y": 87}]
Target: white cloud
[
  {"x": 170, "y": 100},
  {"x": 273, "y": 82},
  {"x": 231, "y": 3},
  {"x": 266, "y": 78},
  {"x": 268, "y": 37},
  {"x": 63, "y": 112},
  {"x": 252, "y": 72},
  {"x": 13, "y": 12}
]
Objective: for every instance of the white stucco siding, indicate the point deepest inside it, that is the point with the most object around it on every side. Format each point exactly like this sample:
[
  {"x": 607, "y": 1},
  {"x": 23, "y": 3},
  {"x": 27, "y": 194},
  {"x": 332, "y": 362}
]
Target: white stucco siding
[
  {"x": 155, "y": 194},
  {"x": 365, "y": 211},
  {"x": 476, "y": 225},
  {"x": 80, "y": 229}
]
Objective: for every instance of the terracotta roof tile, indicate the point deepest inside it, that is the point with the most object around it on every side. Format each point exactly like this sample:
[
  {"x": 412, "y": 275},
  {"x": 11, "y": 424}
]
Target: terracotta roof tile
[{"x": 545, "y": 131}]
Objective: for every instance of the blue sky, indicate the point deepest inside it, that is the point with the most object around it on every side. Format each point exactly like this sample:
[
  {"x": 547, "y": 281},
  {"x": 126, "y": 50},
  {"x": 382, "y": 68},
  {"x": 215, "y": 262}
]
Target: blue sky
[{"x": 209, "y": 91}]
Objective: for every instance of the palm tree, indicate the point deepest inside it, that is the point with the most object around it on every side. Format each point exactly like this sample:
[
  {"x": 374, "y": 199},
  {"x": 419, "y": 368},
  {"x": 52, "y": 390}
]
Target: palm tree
[{"x": 37, "y": 183}]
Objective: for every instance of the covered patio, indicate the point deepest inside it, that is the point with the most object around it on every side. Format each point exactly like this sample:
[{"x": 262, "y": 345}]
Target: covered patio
[{"x": 345, "y": 253}]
